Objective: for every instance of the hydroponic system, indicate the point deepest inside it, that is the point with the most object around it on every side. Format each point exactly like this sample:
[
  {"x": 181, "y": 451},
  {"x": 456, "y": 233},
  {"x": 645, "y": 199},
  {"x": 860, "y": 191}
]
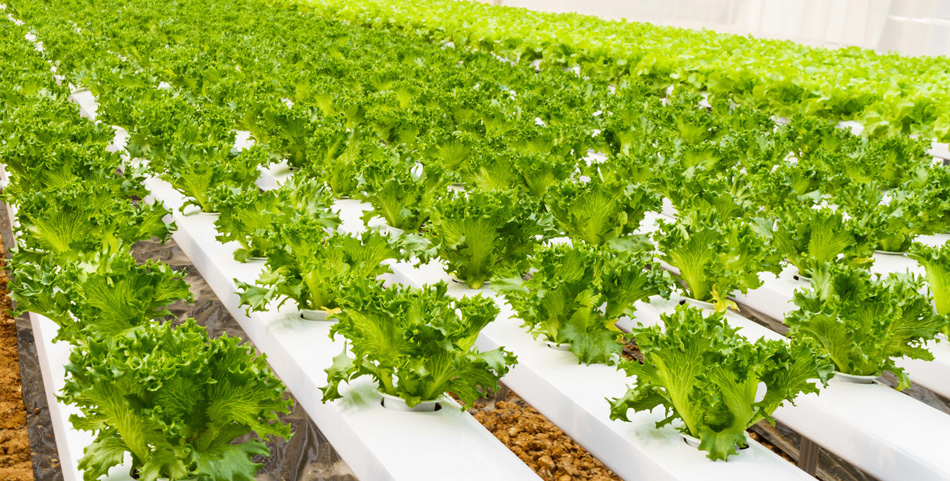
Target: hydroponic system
[{"x": 658, "y": 238}]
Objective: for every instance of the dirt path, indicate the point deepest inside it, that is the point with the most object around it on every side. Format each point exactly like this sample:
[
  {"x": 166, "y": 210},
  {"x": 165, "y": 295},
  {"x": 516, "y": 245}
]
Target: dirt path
[
  {"x": 538, "y": 442},
  {"x": 15, "y": 459}
]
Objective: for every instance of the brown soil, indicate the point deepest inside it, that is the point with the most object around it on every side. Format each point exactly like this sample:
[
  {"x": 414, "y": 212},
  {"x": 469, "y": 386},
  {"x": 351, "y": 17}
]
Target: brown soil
[
  {"x": 15, "y": 460},
  {"x": 538, "y": 442}
]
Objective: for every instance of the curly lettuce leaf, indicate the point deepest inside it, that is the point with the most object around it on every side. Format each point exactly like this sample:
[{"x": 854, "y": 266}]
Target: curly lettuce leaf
[
  {"x": 710, "y": 379},
  {"x": 596, "y": 211},
  {"x": 936, "y": 262},
  {"x": 418, "y": 344},
  {"x": 176, "y": 401},
  {"x": 400, "y": 189},
  {"x": 812, "y": 236},
  {"x": 864, "y": 322},
  {"x": 478, "y": 233},
  {"x": 715, "y": 256},
  {"x": 575, "y": 294}
]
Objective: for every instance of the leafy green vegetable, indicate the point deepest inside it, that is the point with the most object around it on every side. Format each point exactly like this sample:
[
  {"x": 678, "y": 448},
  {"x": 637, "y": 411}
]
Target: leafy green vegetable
[
  {"x": 400, "y": 189},
  {"x": 598, "y": 211},
  {"x": 497, "y": 166},
  {"x": 100, "y": 296},
  {"x": 196, "y": 170},
  {"x": 176, "y": 401},
  {"x": 249, "y": 215},
  {"x": 895, "y": 218},
  {"x": 43, "y": 152},
  {"x": 337, "y": 156},
  {"x": 715, "y": 256},
  {"x": 164, "y": 127},
  {"x": 418, "y": 344},
  {"x": 711, "y": 379},
  {"x": 936, "y": 262},
  {"x": 246, "y": 215},
  {"x": 314, "y": 268},
  {"x": 726, "y": 195},
  {"x": 575, "y": 295},
  {"x": 863, "y": 322},
  {"x": 453, "y": 151},
  {"x": 478, "y": 233},
  {"x": 84, "y": 218},
  {"x": 812, "y": 236},
  {"x": 286, "y": 130},
  {"x": 538, "y": 172}
]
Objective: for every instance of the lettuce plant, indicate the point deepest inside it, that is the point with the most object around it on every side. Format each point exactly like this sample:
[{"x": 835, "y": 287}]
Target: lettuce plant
[
  {"x": 314, "y": 268},
  {"x": 727, "y": 195},
  {"x": 176, "y": 401},
  {"x": 810, "y": 236},
  {"x": 864, "y": 322},
  {"x": 478, "y": 233},
  {"x": 417, "y": 344},
  {"x": 452, "y": 150},
  {"x": 164, "y": 126},
  {"x": 537, "y": 172},
  {"x": 713, "y": 382},
  {"x": 490, "y": 171},
  {"x": 84, "y": 218},
  {"x": 400, "y": 190},
  {"x": 597, "y": 211},
  {"x": 936, "y": 262},
  {"x": 394, "y": 119},
  {"x": 286, "y": 131},
  {"x": 889, "y": 161},
  {"x": 715, "y": 257},
  {"x": 499, "y": 167},
  {"x": 788, "y": 185},
  {"x": 336, "y": 157},
  {"x": 249, "y": 215},
  {"x": 553, "y": 150},
  {"x": 100, "y": 295},
  {"x": 896, "y": 217},
  {"x": 36, "y": 165},
  {"x": 196, "y": 170},
  {"x": 575, "y": 294},
  {"x": 246, "y": 215}
]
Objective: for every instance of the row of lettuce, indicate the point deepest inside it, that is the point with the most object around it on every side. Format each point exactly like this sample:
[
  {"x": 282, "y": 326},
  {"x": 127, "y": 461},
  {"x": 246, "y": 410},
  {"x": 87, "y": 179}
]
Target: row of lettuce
[
  {"x": 888, "y": 93},
  {"x": 165, "y": 396},
  {"x": 487, "y": 167}
]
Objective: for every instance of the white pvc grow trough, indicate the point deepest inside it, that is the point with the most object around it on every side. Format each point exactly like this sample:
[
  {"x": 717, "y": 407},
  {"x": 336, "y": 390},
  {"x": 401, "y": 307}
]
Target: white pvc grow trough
[
  {"x": 573, "y": 395},
  {"x": 885, "y": 433},
  {"x": 53, "y": 358},
  {"x": 774, "y": 299}
]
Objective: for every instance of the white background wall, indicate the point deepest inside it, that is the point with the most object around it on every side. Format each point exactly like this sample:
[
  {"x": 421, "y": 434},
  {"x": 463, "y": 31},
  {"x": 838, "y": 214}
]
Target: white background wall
[{"x": 915, "y": 27}]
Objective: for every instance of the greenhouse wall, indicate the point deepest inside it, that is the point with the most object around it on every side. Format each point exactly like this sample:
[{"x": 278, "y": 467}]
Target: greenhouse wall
[{"x": 913, "y": 27}]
